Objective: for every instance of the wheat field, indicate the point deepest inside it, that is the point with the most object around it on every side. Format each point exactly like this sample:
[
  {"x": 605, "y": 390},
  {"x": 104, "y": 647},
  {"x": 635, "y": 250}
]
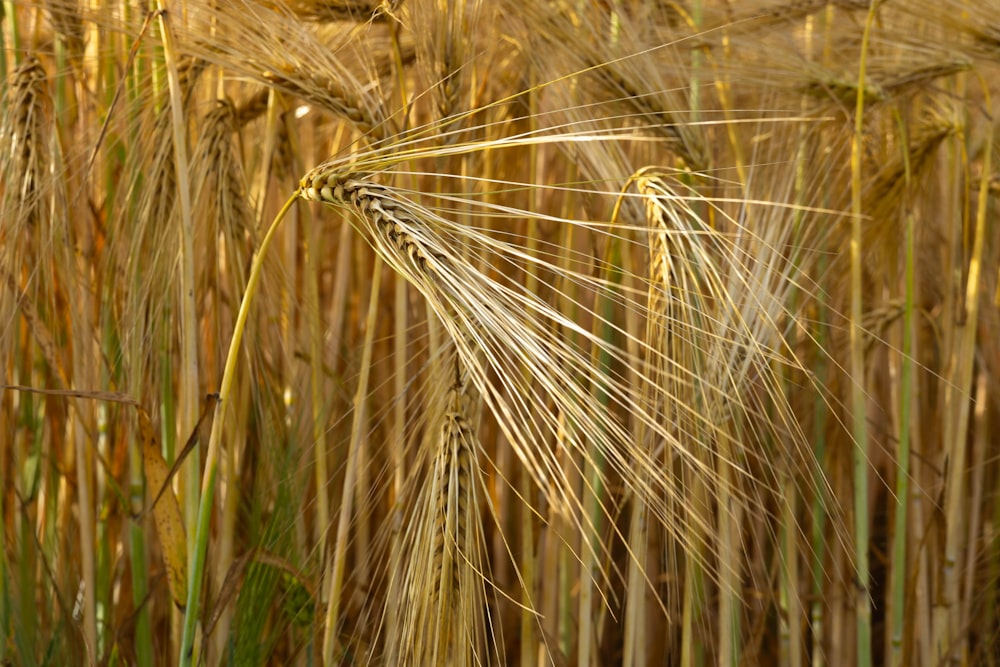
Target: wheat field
[{"x": 444, "y": 332}]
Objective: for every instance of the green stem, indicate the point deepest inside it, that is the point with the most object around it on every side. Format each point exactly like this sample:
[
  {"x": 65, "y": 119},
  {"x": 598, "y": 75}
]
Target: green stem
[
  {"x": 859, "y": 424},
  {"x": 818, "y": 536},
  {"x": 140, "y": 588},
  {"x": 899, "y": 556},
  {"x": 594, "y": 472}
]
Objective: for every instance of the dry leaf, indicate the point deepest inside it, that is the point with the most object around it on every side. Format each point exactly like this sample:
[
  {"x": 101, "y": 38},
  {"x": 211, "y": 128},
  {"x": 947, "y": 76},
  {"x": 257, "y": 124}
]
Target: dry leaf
[{"x": 166, "y": 511}]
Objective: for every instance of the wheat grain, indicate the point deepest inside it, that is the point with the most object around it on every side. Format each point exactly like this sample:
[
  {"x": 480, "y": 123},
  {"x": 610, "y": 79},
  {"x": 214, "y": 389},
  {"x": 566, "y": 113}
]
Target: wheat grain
[
  {"x": 651, "y": 87},
  {"x": 221, "y": 171}
]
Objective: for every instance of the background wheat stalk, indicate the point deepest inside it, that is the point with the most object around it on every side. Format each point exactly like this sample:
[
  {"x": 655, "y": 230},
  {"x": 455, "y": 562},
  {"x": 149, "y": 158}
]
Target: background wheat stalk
[{"x": 543, "y": 333}]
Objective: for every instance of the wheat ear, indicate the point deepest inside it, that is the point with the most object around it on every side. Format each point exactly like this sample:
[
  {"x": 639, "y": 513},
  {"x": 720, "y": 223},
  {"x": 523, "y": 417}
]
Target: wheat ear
[
  {"x": 24, "y": 132},
  {"x": 443, "y": 583}
]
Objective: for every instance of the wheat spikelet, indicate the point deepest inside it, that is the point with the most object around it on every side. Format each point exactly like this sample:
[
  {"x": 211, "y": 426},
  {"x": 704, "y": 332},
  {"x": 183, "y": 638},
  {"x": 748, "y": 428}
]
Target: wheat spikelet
[
  {"x": 451, "y": 547},
  {"x": 752, "y": 17},
  {"x": 221, "y": 167},
  {"x": 399, "y": 232},
  {"x": 222, "y": 205},
  {"x": 159, "y": 193},
  {"x": 25, "y": 235},
  {"x": 25, "y": 133},
  {"x": 446, "y": 33},
  {"x": 669, "y": 338},
  {"x": 659, "y": 116},
  {"x": 971, "y": 29},
  {"x": 718, "y": 319},
  {"x": 684, "y": 298},
  {"x": 499, "y": 331},
  {"x": 887, "y": 78},
  {"x": 886, "y": 193}
]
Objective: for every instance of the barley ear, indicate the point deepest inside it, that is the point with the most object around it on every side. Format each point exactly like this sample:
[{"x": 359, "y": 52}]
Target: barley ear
[{"x": 444, "y": 580}]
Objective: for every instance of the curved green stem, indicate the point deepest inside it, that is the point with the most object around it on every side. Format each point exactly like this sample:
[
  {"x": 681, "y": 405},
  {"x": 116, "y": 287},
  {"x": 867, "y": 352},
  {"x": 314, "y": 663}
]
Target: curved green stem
[{"x": 212, "y": 457}]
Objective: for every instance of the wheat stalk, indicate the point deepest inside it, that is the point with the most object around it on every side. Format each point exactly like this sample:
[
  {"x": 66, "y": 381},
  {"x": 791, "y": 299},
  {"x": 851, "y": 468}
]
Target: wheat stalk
[{"x": 223, "y": 228}]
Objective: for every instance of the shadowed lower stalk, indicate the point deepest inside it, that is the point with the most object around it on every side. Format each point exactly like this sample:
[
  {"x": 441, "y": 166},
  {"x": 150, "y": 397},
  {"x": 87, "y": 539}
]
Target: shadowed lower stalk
[
  {"x": 791, "y": 600},
  {"x": 562, "y": 533},
  {"x": 397, "y": 449},
  {"x": 335, "y": 574},
  {"x": 88, "y": 530},
  {"x": 900, "y": 532},
  {"x": 817, "y": 608},
  {"x": 595, "y": 466},
  {"x": 977, "y": 468},
  {"x": 6, "y": 598},
  {"x": 957, "y": 408},
  {"x": 992, "y": 598}
]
